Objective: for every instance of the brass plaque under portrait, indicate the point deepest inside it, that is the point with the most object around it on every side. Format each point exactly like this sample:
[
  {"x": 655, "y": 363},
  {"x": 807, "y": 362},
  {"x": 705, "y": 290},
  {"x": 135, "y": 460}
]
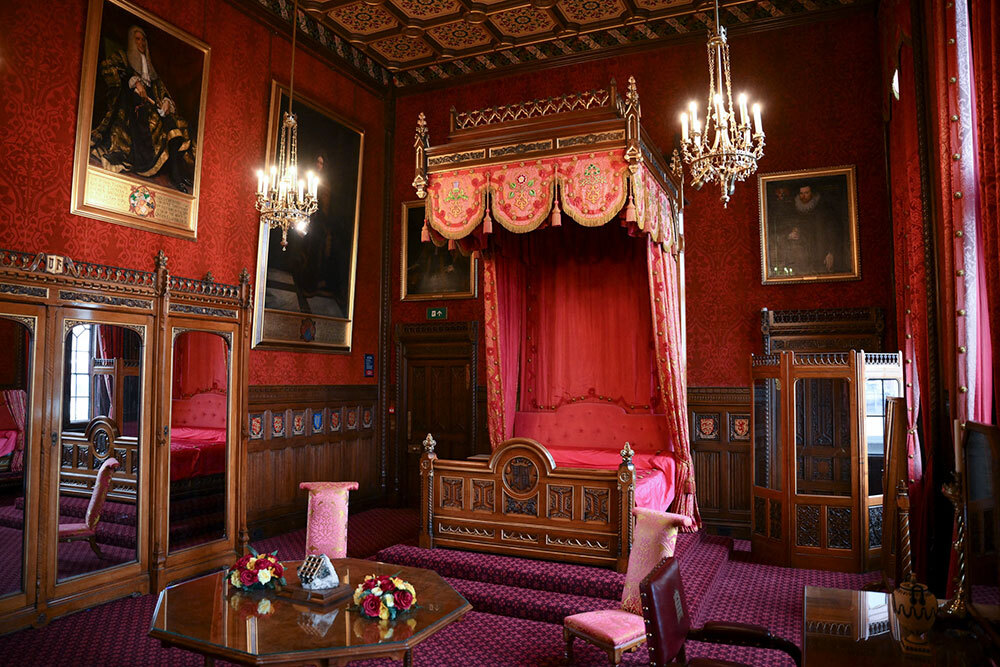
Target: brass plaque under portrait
[
  {"x": 140, "y": 122},
  {"x": 809, "y": 226},
  {"x": 305, "y": 293},
  {"x": 430, "y": 272}
]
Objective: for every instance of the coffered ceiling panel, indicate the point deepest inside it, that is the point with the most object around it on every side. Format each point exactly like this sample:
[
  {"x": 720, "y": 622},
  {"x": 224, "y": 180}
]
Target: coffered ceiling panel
[{"x": 421, "y": 40}]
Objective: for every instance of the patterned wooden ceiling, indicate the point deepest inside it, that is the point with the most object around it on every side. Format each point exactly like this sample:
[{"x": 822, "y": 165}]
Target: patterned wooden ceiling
[{"x": 414, "y": 36}]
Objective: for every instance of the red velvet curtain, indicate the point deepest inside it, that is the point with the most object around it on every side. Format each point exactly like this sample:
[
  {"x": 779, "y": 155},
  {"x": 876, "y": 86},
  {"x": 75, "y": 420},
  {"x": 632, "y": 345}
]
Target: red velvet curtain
[
  {"x": 985, "y": 33},
  {"x": 671, "y": 365},
  {"x": 199, "y": 364},
  {"x": 16, "y": 402},
  {"x": 587, "y": 319},
  {"x": 911, "y": 272},
  {"x": 110, "y": 340}
]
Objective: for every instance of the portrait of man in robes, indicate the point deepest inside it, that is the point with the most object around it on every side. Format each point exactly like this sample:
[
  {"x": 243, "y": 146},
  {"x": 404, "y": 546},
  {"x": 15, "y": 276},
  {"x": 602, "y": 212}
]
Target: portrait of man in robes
[
  {"x": 809, "y": 226},
  {"x": 141, "y": 131}
]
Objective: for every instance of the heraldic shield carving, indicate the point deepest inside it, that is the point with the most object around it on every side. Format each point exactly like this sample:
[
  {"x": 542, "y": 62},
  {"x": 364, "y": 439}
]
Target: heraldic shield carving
[{"x": 520, "y": 475}]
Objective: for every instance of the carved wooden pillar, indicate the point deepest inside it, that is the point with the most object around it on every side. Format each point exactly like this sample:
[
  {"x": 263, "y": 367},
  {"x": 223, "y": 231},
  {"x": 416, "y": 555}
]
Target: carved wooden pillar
[
  {"x": 626, "y": 492},
  {"x": 427, "y": 493}
]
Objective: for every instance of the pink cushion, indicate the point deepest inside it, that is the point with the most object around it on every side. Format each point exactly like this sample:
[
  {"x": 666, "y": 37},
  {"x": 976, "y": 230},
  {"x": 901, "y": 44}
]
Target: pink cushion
[
  {"x": 653, "y": 539},
  {"x": 68, "y": 530},
  {"x": 594, "y": 425},
  {"x": 201, "y": 410},
  {"x": 611, "y": 626},
  {"x": 100, "y": 491},
  {"x": 326, "y": 529}
]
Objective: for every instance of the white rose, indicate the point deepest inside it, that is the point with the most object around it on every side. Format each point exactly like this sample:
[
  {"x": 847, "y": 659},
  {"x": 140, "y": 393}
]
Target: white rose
[
  {"x": 264, "y": 576},
  {"x": 377, "y": 591},
  {"x": 388, "y": 601}
]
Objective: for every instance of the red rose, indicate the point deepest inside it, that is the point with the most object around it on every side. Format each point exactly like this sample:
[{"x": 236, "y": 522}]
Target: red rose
[
  {"x": 385, "y": 583},
  {"x": 242, "y": 562},
  {"x": 370, "y": 584},
  {"x": 371, "y": 605},
  {"x": 248, "y": 577},
  {"x": 279, "y": 569},
  {"x": 262, "y": 564},
  {"x": 404, "y": 599}
]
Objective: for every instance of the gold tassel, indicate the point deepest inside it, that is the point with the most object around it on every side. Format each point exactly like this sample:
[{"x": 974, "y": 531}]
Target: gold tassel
[
  {"x": 451, "y": 244},
  {"x": 425, "y": 233},
  {"x": 556, "y": 213},
  {"x": 487, "y": 221}
]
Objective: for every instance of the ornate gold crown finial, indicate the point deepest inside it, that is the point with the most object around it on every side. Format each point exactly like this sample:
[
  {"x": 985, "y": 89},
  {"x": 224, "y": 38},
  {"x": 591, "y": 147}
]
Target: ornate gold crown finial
[
  {"x": 627, "y": 453},
  {"x": 429, "y": 444}
]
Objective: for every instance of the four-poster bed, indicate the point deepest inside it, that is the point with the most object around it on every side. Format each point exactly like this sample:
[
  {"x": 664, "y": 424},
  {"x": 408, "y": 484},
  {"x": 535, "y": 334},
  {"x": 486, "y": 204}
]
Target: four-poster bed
[{"x": 584, "y": 327}]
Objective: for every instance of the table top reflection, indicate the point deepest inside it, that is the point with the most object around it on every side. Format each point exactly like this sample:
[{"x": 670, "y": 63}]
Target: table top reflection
[
  {"x": 845, "y": 627},
  {"x": 208, "y": 616}
]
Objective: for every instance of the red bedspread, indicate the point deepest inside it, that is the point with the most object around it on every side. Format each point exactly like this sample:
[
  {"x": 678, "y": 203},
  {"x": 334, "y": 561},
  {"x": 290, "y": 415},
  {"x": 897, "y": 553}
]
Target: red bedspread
[
  {"x": 196, "y": 451},
  {"x": 655, "y": 473},
  {"x": 7, "y": 441}
]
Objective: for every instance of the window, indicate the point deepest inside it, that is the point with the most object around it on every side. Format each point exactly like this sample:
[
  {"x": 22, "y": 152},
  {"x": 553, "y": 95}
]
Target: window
[{"x": 79, "y": 385}]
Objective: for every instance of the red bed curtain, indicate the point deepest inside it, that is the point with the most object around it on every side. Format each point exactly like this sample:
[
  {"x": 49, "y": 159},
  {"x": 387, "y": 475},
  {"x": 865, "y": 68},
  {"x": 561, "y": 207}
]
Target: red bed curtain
[
  {"x": 503, "y": 287},
  {"x": 199, "y": 364},
  {"x": 16, "y": 402}
]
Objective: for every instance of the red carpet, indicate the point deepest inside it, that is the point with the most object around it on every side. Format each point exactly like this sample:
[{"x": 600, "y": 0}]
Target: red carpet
[{"x": 518, "y": 605}]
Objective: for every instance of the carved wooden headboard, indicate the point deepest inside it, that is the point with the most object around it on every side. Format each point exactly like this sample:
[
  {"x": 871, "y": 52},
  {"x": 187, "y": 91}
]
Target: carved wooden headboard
[{"x": 823, "y": 330}]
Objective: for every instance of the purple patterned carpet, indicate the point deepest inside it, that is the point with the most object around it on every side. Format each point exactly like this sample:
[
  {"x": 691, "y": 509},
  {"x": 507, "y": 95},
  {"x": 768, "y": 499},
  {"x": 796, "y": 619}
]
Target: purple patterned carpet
[{"x": 518, "y": 604}]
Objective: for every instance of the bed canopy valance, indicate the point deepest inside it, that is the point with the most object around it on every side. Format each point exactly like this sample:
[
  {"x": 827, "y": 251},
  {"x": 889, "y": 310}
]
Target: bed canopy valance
[{"x": 573, "y": 316}]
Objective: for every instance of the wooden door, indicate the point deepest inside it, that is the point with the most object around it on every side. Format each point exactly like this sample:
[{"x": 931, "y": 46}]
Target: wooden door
[{"x": 436, "y": 394}]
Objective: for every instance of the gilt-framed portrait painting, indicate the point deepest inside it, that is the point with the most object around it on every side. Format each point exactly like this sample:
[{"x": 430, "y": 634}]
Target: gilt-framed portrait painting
[
  {"x": 140, "y": 123},
  {"x": 428, "y": 271},
  {"x": 809, "y": 226},
  {"x": 305, "y": 293}
]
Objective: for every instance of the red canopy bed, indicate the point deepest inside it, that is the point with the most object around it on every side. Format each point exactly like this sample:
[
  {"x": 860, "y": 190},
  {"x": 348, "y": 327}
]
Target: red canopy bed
[
  {"x": 199, "y": 408},
  {"x": 583, "y": 327}
]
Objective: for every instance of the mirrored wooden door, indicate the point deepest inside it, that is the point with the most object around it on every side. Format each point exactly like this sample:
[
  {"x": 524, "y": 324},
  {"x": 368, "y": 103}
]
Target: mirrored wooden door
[
  {"x": 98, "y": 509},
  {"x": 21, "y": 339}
]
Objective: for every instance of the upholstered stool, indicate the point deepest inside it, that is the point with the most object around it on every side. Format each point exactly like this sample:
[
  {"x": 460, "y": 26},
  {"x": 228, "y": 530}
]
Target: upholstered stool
[
  {"x": 619, "y": 630},
  {"x": 326, "y": 527}
]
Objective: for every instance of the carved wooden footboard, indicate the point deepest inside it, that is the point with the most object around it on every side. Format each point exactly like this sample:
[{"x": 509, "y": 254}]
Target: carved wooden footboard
[{"x": 520, "y": 504}]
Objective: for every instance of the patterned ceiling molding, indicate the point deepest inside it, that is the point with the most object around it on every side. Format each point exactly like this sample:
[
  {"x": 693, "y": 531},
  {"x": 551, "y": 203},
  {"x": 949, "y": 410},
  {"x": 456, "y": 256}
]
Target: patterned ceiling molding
[{"x": 361, "y": 62}]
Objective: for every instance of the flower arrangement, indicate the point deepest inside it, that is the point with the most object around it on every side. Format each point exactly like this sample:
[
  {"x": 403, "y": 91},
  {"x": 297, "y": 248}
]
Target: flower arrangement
[
  {"x": 384, "y": 597},
  {"x": 373, "y": 633},
  {"x": 254, "y": 571},
  {"x": 250, "y": 607}
]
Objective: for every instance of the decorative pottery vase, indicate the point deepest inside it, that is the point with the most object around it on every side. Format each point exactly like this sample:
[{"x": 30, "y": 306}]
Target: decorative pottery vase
[{"x": 916, "y": 608}]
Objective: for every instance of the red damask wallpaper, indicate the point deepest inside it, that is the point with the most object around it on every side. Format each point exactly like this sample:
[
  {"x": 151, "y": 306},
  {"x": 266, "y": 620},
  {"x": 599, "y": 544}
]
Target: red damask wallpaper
[
  {"x": 819, "y": 88},
  {"x": 41, "y": 49}
]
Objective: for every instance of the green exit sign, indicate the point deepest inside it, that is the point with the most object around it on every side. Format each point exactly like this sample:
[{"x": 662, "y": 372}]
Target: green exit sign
[{"x": 437, "y": 313}]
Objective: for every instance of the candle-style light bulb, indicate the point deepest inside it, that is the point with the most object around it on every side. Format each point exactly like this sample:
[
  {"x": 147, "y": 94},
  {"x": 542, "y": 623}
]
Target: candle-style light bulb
[
  {"x": 693, "y": 108},
  {"x": 684, "y": 127},
  {"x": 757, "y": 127},
  {"x": 696, "y": 126},
  {"x": 260, "y": 181},
  {"x": 302, "y": 189},
  {"x": 743, "y": 109},
  {"x": 720, "y": 116}
]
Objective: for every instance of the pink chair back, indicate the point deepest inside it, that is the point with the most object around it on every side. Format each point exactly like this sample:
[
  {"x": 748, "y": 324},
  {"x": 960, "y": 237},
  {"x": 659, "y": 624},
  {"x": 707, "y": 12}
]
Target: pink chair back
[
  {"x": 326, "y": 526},
  {"x": 100, "y": 492}
]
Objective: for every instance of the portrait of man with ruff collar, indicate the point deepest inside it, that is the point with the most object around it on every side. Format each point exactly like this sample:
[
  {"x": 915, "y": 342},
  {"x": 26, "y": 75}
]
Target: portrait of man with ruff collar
[
  {"x": 809, "y": 226},
  {"x": 142, "y": 107}
]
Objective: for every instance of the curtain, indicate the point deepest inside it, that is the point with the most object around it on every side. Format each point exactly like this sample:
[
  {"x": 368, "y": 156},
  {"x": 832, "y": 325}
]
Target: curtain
[
  {"x": 910, "y": 271},
  {"x": 985, "y": 38},
  {"x": 16, "y": 400},
  {"x": 199, "y": 364},
  {"x": 587, "y": 320},
  {"x": 503, "y": 293},
  {"x": 110, "y": 340},
  {"x": 664, "y": 292}
]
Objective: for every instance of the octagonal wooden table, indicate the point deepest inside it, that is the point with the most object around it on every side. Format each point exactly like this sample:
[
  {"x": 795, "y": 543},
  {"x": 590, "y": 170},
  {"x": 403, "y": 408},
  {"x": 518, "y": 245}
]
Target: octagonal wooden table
[{"x": 207, "y": 616}]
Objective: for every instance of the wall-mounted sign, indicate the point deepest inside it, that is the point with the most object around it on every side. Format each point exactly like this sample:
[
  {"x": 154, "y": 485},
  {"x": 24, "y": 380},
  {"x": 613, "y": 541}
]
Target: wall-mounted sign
[
  {"x": 369, "y": 365},
  {"x": 437, "y": 313}
]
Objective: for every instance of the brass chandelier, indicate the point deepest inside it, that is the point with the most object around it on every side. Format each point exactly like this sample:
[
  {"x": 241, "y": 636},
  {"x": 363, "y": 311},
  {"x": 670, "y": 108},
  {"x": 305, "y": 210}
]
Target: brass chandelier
[
  {"x": 283, "y": 199},
  {"x": 724, "y": 150}
]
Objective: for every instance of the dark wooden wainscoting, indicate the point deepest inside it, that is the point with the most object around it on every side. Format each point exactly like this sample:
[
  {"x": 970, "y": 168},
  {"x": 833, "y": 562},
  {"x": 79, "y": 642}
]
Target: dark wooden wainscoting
[
  {"x": 309, "y": 433},
  {"x": 721, "y": 446}
]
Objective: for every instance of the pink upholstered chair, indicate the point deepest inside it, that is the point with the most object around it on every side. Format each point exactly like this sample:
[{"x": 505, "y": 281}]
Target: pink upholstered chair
[
  {"x": 75, "y": 532},
  {"x": 326, "y": 526},
  {"x": 619, "y": 630}
]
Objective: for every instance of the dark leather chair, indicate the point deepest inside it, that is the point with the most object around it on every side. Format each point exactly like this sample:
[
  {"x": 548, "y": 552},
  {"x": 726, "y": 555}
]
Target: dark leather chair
[{"x": 668, "y": 623}]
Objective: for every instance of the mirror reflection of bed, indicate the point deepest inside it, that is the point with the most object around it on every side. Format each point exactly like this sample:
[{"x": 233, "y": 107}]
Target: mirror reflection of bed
[
  {"x": 198, "y": 425},
  {"x": 980, "y": 466},
  {"x": 15, "y": 346},
  {"x": 99, "y": 448}
]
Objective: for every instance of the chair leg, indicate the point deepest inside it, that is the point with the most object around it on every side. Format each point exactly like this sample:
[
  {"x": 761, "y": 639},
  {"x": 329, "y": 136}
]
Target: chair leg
[
  {"x": 95, "y": 547},
  {"x": 568, "y": 637}
]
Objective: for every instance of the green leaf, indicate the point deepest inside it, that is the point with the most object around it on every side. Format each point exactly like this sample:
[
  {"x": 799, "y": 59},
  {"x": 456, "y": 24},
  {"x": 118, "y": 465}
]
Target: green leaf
[
  {"x": 253, "y": 552},
  {"x": 531, "y": 182},
  {"x": 275, "y": 553},
  {"x": 281, "y": 580},
  {"x": 531, "y": 192},
  {"x": 510, "y": 196}
]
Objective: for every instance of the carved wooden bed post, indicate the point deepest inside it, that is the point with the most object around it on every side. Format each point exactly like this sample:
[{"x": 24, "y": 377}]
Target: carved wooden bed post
[
  {"x": 427, "y": 493},
  {"x": 626, "y": 489}
]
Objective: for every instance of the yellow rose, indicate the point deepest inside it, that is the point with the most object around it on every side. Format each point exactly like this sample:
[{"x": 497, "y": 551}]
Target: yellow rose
[
  {"x": 234, "y": 579},
  {"x": 383, "y": 612},
  {"x": 250, "y": 563}
]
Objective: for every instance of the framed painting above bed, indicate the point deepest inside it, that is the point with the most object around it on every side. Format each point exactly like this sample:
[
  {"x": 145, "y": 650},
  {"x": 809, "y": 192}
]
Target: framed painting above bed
[
  {"x": 305, "y": 293},
  {"x": 428, "y": 271}
]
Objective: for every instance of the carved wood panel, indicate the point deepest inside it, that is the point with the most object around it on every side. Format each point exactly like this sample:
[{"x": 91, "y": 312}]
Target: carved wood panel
[
  {"x": 561, "y": 502},
  {"x": 483, "y": 493},
  {"x": 452, "y": 492},
  {"x": 595, "y": 504},
  {"x": 720, "y": 449}
]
